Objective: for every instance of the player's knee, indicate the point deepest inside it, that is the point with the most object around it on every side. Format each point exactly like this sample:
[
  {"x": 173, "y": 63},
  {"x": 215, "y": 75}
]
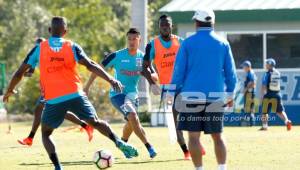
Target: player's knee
[
  {"x": 217, "y": 137},
  {"x": 132, "y": 116}
]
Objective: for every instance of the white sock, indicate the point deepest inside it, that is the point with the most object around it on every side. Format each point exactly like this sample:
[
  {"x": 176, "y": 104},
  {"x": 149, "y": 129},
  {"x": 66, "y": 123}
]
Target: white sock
[
  {"x": 199, "y": 168},
  {"x": 265, "y": 125},
  {"x": 222, "y": 167}
]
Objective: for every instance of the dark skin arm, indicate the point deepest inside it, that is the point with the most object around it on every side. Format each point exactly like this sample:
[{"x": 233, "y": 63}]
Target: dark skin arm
[
  {"x": 97, "y": 70},
  {"x": 19, "y": 74},
  {"x": 147, "y": 68}
]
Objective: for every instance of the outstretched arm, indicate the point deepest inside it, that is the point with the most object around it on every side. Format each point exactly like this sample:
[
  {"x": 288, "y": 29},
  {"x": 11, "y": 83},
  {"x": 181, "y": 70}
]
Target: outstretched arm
[
  {"x": 97, "y": 70},
  {"x": 17, "y": 77}
]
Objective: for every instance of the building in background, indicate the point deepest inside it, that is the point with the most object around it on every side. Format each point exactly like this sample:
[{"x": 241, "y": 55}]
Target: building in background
[{"x": 256, "y": 30}]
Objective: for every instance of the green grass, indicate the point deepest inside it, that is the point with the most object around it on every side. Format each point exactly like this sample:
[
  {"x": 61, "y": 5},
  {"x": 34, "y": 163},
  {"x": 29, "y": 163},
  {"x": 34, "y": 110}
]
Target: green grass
[{"x": 248, "y": 149}]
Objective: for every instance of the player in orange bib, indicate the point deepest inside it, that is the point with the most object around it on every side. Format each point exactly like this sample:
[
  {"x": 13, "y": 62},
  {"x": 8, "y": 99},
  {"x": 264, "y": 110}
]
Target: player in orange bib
[
  {"x": 162, "y": 51},
  {"x": 62, "y": 88}
]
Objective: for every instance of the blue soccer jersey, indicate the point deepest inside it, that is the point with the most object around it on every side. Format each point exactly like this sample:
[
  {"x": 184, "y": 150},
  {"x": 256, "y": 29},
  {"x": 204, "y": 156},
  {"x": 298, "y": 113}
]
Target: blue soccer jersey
[{"x": 127, "y": 70}]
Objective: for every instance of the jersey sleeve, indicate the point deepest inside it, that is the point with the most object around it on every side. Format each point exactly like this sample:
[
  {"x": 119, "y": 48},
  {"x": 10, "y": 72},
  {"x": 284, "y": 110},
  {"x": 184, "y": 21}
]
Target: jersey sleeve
[
  {"x": 32, "y": 57},
  {"x": 229, "y": 70},
  {"x": 252, "y": 77},
  {"x": 110, "y": 60},
  {"x": 78, "y": 52},
  {"x": 265, "y": 79}
]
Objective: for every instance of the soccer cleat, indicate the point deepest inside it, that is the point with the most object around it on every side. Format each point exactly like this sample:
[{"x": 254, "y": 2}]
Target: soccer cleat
[
  {"x": 90, "y": 131},
  {"x": 152, "y": 152},
  {"x": 289, "y": 125},
  {"x": 263, "y": 129},
  {"x": 187, "y": 155},
  {"x": 128, "y": 150},
  {"x": 27, "y": 141}
]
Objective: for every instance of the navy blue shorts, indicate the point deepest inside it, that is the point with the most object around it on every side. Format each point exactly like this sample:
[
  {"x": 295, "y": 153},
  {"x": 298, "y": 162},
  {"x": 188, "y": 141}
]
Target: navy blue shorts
[
  {"x": 208, "y": 122},
  {"x": 272, "y": 103},
  {"x": 54, "y": 114},
  {"x": 124, "y": 105}
]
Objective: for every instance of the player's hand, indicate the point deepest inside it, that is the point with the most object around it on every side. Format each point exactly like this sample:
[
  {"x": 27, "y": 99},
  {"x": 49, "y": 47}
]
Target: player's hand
[
  {"x": 229, "y": 102},
  {"x": 116, "y": 85},
  {"x": 155, "y": 89},
  {"x": 8, "y": 94}
]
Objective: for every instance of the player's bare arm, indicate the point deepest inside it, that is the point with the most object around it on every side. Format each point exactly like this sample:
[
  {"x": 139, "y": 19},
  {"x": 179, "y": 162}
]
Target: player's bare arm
[
  {"x": 95, "y": 68},
  {"x": 15, "y": 81}
]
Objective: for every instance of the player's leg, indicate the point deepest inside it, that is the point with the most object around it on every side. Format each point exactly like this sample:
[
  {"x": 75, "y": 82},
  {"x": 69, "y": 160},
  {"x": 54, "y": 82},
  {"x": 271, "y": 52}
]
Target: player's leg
[
  {"x": 52, "y": 117},
  {"x": 249, "y": 107},
  {"x": 266, "y": 106},
  {"x": 194, "y": 145},
  {"x": 49, "y": 146},
  {"x": 74, "y": 119},
  {"x": 128, "y": 108},
  {"x": 82, "y": 107},
  {"x": 35, "y": 124},
  {"x": 137, "y": 128},
  {"x": 282, "y": 114},
  {"x": 220, "y": 150},
  {"x": 180, "y": 138},
  {"x": 127, "y": 131}
]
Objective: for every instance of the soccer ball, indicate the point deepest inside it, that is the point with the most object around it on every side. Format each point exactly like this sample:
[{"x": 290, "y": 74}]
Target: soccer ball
[{"x": 103, "y": 159}]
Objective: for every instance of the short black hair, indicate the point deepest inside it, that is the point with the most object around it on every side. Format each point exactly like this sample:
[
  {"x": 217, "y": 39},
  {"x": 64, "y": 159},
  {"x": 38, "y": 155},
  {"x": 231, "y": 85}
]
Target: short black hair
[
  {"x": 58, "y": 21},
  {"x": 165, "y": 16},
  {"x": 133, "y": 31}
]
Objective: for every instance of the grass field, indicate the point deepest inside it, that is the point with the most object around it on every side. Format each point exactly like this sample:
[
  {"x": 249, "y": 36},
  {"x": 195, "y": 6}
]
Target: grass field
[{"x": 248, "y": 149}]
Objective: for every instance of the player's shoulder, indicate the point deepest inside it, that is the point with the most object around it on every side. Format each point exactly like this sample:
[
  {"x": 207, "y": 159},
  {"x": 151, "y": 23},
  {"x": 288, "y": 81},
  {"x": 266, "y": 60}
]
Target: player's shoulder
[{"x": 120, "y": 52}]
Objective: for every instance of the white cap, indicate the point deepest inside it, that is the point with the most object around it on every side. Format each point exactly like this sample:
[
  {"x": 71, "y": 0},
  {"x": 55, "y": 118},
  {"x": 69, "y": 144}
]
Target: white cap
[{"x": 204, "y": 15}]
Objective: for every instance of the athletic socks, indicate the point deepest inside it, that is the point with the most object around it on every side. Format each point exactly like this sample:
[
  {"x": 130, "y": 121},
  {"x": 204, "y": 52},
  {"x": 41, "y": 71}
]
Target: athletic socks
[
  {"x": 83, "y": 125},
  {"x": 222, "y": 167},
  {"x": 148, "y": 146},
  {"x": 31, "y": 135},
  {"x": 184, "y": 148},
  {"x": 113, "y": 137},
  {"x": 54, "y": 159},
  {"x": 265, "y": 125},
  {"x": 199, "y": 168},
  {"x": 125, "y": 140}
]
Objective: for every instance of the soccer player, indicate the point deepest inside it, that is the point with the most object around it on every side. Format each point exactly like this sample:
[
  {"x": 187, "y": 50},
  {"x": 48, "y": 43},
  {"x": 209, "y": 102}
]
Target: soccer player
[
  {"x": 127, "y": 64},
  {"x": 271, "y": 97},
  {"x": 40, "y": 106},
  {"x": 162, "y": 52},
  {"x": 249, "y": 91},
  {"x": 204, "y": 65},
  {"x": 62, "y": 88}
]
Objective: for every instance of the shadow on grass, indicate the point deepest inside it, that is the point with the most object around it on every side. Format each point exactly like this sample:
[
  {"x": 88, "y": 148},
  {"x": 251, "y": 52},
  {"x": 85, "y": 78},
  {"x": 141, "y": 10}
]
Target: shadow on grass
[
  {"x": 149, "y": 161},
  {"x": 75, "y": 163}
]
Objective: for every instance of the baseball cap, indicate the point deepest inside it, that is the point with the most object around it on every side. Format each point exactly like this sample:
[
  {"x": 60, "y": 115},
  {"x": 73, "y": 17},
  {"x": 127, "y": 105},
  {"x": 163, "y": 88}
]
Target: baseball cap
[
  {"x": 246, "y": 63},
  {"x": 204, "y": 15},
  {"x": 271, "y": 62}
]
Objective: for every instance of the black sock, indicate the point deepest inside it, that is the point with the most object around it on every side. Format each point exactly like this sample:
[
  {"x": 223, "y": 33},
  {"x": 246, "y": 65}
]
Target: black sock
[
  {"x": 113, "y": 137},
  {"x": 184, "y": 148},
  {"x": 54, "y": 159},
  {"x": 31, "y": 134},
  {"x": 148, "y": 146},
  {"x": 83, "y": 125},
  {"x": 125, "y": 140}
]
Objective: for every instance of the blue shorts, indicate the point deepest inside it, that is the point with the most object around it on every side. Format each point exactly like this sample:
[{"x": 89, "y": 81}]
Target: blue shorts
[
  {"x": 203, "y": 121},
  {"x": 272, "y": 102},
  {"x": 124, "y": 104},
  {"x": 54, "y": 114}
]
